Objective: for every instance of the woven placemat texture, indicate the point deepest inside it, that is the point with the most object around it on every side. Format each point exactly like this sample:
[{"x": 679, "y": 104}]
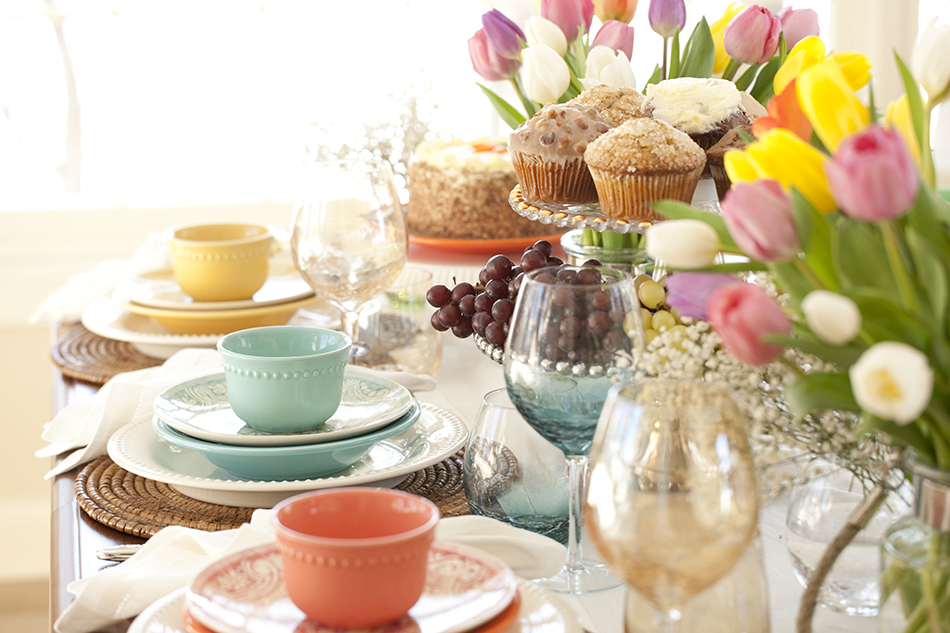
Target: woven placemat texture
[
  {"x": 82, "y": 355},
  {"x": 140, "y": 506}
]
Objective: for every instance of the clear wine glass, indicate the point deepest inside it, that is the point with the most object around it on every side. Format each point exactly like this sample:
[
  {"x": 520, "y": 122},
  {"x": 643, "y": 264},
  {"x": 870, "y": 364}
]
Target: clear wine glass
[
  {"x": 575, "y": 331},
  {"x": 672, "y": 502},
  {"x": 349, "y": 238}
]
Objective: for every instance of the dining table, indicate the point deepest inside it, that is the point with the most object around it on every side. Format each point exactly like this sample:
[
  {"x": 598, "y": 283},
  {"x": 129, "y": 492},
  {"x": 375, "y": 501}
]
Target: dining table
[{"x": 464, "y": 376}]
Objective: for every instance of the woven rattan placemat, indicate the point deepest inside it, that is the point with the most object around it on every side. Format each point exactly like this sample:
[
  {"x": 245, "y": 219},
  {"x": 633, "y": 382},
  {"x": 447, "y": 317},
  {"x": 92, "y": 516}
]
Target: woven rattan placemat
[
  {"x": 140, "y": 506},
  {"x": 86, "y": 356}
]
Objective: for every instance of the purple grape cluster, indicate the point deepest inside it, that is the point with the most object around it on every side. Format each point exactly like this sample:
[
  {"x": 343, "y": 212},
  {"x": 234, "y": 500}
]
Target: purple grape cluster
[{"x": 486, "y": 309}]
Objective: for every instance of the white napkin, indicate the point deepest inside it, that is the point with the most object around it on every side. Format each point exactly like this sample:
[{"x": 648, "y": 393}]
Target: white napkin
[
  {"x": 171, "y": 558},
  {"x": 85, "y": 427}
]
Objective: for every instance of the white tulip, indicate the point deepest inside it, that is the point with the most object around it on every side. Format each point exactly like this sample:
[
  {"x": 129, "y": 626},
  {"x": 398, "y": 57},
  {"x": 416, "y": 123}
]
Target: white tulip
[
  {"x": 608, "y": 67},
  {"x": 538, "y": 30},
  {"x": 931, "y": 60},
  {"x": 893, "y": 381},
  {"x": 684, "y": 244},
  {"x": 545, "y": 73},
  {"x": 834, "y": 318}
]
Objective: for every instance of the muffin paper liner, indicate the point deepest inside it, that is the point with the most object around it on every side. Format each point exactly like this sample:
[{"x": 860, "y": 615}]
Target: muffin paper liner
[
  {"x": 552, "y": 182},
  {"x": 629, "y": 196},
  {"x": 721, "y": 178}
]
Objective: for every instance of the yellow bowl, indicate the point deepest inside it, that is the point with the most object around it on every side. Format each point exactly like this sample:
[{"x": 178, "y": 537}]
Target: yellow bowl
[
  {"x": 221, "y": 261},
  {"x": 220, "y": 321}
]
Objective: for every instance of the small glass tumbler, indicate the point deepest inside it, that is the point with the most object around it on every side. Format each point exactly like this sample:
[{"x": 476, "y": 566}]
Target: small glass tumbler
[
  {"x": 513, "y": 474},
  {"x": 396, "y": 326}
]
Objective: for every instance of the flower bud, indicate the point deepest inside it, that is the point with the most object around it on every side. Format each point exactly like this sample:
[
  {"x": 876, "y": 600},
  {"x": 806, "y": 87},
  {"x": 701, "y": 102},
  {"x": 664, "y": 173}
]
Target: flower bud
[
  {"x": 573, "y": 16},
  {"x": 545, "y": 75},
  {"x": 834, "y": 318},
  {"x": 830, "y": 104},
  {"x": 797, "y": 24},
  {"x": 504, "y": 36},
  {"x": 684, "y": 244},
  {"x": 872, "y": 176},
  {"x": 621, "y": 10},
  {"x": 759, "y": 218},
  {"x": 540, "y": 30},
  {"x": 605, "y": 67},
  {"x": 743, "y": 315},
  {"x": 893, "y": 381},
  {"x": 486, "y": 62},
  {"x": 717, "y": 29},
  {"x": 805, "y": 54},
  {"x": 666, "y": 16},
  {"x": 931, "y": 61},
  {"x": 617, "y": 36},
  {"x": 752, "y": 36}
]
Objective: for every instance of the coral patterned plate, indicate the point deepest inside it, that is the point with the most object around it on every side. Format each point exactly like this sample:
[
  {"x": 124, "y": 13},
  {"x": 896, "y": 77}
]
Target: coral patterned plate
[{"x": 245, "y": 593}]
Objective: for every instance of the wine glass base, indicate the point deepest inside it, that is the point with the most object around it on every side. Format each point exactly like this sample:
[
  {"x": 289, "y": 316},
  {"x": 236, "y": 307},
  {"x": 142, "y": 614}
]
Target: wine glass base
[{"x": 590, "y": 577}]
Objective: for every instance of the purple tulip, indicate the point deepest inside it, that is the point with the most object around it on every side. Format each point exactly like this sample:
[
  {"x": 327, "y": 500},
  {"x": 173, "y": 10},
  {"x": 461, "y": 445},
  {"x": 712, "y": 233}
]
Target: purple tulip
[
  {"x": 666, "y": 16},
  {"x": 617, "y": 36},
  {"x": 504, "y": 36},
  {"x": 688, "y": 293},
  {"x": 752, "y": 36},
  {"x": 872, "y": 176},
  {"x": 797, "y": 24},
  {"x": 570, "y": 15},
  {"x": 759, "y": 217},
  {"x": 486, "y": 62}
]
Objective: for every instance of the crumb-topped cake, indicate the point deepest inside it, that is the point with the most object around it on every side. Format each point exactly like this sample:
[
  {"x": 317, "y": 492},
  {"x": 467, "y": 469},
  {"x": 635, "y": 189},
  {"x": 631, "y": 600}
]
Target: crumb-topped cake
[
  {"x": 703, "y": 108},
  {"x": 547, "y": 152},
  {"x": 640, "y": 162},
  {"x": 459, "y": 190},
  {"x": 616, "y": 104}
]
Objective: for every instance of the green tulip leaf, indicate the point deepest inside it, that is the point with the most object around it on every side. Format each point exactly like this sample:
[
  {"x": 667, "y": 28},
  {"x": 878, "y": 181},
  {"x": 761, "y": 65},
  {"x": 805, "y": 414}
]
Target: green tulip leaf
[
  {"x": 505, "y": 110},
  {"x": 681, "y": 211},
  {"x": 930, "y": 216},
  {"x": 931, "y": 275},
  {"x": 815, "y": 236},
  {"x": 745, "y": 79},
  {"x": 750, "y": 266},
  {"x": 654, "y": 78},
  {"x": 530, "y": 105},
  {"x": 908, "y": 435},
  {"x": 859, "y": 257},
  {"x": 842, "y": 356},
  {"x": 674, "y": 70},
  {"x": 790, "y": 278},
  {"x": 700, "y": 55},
  {"x": 915, "y": 101},
  {"x": 763, "y": 90},
  {"x": 820, "y": 392},
  {"x": 884, "y": 319}
]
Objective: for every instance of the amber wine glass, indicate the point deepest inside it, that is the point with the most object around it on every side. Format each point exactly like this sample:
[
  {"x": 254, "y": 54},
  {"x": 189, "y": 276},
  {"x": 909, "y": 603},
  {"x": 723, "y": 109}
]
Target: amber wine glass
[
  {"x": 672, "y": 501},
  {"x": 349, "y": 238}
]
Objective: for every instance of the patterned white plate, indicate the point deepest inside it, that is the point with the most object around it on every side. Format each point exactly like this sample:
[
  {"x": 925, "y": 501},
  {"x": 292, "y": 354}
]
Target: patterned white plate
[
  {"x": 200, "y": 408},
  {"x": 135, "y": 447},
  {"x": 245, "y": 593}
]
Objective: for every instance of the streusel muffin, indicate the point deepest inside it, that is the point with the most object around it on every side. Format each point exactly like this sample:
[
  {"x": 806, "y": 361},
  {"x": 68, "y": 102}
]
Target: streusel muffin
[
  {"x": 703, "y": 108},
  {"x": 640, "y": 162},
  {"x": 547, "y": 152},
  {"x": 617, "y": 104}
]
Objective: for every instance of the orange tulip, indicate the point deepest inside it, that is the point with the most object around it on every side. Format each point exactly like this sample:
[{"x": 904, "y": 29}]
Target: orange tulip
[{"x": 784, "y": 112}]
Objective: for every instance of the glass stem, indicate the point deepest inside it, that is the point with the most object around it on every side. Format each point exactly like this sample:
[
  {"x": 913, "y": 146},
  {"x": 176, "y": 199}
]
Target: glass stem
[
  {"x": 668, "y": 621},
  {"x": 351, "y": 327},
  {"x": 577, "y": 477}
]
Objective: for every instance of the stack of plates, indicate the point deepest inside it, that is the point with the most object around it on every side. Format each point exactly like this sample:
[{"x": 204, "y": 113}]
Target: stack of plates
[
  {"x": 197, "y": 444},
  {"x": 152, "y": 312},
  {"x": 467, "y": 591}
]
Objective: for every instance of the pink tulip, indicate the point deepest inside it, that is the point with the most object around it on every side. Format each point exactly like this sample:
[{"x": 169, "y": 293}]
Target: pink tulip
[
  {"x": 486, "y": 62},
  {"x": 752, "y": 36},
  {"x": 742, "y": 314},
  {"x": 759, "y": 217},
  {"x": 872, "y": 175},
  {"x": 797, "y": 24},
  {"x": 616, "y": 36},
  {"x": 504, "y": 36},
  {"x": 688, "y": 293},
  {"x": 622, "y": 10},
  {"x": 570, "y": 15},
  {"x": 666, "y": 16}
]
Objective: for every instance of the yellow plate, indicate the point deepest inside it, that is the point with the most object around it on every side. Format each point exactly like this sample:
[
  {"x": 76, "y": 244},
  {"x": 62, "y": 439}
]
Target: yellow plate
[{"x": 220, "y": 321}]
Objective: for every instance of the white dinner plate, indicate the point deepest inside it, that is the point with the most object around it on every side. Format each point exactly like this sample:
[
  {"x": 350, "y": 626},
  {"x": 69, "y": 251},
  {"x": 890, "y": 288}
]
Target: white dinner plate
[
  {"x": 200, "y": 408},
  {"x": 159, "y": 289},
  {"x": 108, "y": 319},
  {"x": 135, "y": 447}
]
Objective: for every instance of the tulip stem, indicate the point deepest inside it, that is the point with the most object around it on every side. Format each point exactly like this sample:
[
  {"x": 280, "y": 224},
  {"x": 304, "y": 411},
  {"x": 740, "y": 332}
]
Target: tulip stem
[
  {"x": 731, "y": 69},
  {"x": 809, "y": 273},
  {"x": 897, "y": 265},
  {"x": 666, "y": 42},
  {"x": 926, "y": 156}
]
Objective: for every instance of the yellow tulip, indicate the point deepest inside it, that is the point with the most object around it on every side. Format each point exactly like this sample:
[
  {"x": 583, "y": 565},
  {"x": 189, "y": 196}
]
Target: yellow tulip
[
  {"x": 718, "y": 28},
  {"x": 897, "y": 117},
  {"x": 855, "y": 67},
  {"x": 781, "y": 155},
  {"x": 738, "y": 167},
  {"x": 805, "y": 54},
  {"x": 829, "y": 103}
]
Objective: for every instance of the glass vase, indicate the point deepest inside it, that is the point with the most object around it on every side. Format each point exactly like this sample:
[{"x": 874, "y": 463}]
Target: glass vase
[
  {"x": 915, "y": 557},
  {"x": 578, "y": 246}
]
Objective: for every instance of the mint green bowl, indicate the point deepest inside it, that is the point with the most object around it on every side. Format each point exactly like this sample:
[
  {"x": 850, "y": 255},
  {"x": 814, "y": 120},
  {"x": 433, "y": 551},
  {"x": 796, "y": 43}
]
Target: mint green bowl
[{"x": 285, "y": 378}]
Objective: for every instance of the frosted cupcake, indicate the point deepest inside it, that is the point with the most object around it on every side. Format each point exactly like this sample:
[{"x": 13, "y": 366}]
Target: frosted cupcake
[
  {"x": 703, "y": 108},
  {"x": 641, "y": 162},
  {"x": 547, "y": 152}
]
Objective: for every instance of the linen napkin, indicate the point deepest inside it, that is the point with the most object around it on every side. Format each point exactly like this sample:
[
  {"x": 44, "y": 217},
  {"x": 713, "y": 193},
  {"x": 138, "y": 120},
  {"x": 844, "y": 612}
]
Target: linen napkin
[
  {"x": 85, "y": 427},
  {"x": 171, "y": 558}
]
